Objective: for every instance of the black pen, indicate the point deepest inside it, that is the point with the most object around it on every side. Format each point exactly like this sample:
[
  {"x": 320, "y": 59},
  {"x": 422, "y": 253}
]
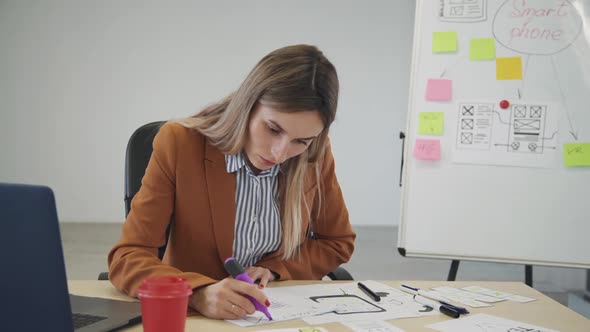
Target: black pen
[
  {"x": 369, "y": 292},
  {"x": 437, "y": 306}
]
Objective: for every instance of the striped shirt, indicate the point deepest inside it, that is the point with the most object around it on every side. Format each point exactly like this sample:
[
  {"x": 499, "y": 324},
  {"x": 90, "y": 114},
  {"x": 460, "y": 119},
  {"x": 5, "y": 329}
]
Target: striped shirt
[{"x": 258, "y": 222}]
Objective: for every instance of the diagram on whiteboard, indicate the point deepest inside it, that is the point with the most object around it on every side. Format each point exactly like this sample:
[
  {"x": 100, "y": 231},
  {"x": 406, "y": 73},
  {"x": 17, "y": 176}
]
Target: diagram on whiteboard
[{"x": 522, "y": 135}]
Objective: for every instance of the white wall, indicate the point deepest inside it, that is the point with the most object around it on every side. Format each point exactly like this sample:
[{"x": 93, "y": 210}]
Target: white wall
[{"x": 77, "y": 77}]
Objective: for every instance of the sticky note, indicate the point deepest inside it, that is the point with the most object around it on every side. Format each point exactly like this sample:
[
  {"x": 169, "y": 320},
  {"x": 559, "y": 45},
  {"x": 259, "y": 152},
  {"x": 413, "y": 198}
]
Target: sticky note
[
  {"x": 509, "y": 68},
  {"x": 427, "y": 149},
  {"x": 576, "y": 154},
  {"x": 444, "y": 41},
  {"x": 439, "y": 89},
  {"x": 482, "y": 49},
  {"x": 431, "y": 123}
]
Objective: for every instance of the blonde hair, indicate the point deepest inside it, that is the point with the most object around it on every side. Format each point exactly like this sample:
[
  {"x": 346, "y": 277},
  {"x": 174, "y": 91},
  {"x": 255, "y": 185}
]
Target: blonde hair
[{"x": 292, "y": 79}]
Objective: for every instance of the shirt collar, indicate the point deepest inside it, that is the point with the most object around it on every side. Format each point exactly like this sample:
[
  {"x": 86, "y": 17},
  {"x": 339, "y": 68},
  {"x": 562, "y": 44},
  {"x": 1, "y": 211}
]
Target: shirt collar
[{"x": 233, "y": 162}]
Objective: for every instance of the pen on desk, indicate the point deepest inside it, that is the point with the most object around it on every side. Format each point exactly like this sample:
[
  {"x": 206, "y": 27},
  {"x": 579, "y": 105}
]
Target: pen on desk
[
  {"x": 438, "y": 306},
  {"x": 418, "y": 291},
  {"x": 369, "y": 292}
]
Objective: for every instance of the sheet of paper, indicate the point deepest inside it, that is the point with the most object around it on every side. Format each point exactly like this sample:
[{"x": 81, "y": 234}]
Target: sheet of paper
[
  {"x": 447, "y": 289},
  {"x": 431, "y": 123},
  {"x": 438, "y": 89},
  {"x": 509, "y": 68},
  {"x": 479, "y": 294},
  {"x": 483, "y": 322},
  {"x": 488, "y": 292},
  {"x": 427, "y": 149},
  {"x": 395, "y": 304},
  {"x": 487, "y": 299},
  {"x": 317, "y": 304},
  {"x": 477, "y": 289},
  {"x": 468, "y": 302},
  {"x": 284, "y": 306},
  {"x": 576, "y": 154},
  {"x": 523, "y": 135},
  {"x": 470, "y": 293},
  {"x": 520, "y": 299},
  {"x": 444, "y": 41},
  {"x": 371, "y": 326},
  {"x": 460, "y": 296},
  {"x": 297, "y": 329}
]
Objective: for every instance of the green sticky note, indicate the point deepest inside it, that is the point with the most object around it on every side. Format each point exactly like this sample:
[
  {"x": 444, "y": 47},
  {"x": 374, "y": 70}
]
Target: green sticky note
[
  {"x": 482, "y": 49},
  {"x": 444, "y": 41},
  {"x": 431, "y": 123},
  {"x": 509, "y": 68},
  {"x": 576, "y": 154}
]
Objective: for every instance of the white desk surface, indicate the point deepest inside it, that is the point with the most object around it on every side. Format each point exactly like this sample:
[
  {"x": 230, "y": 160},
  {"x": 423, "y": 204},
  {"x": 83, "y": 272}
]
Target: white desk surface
[{"x": 543, "y": 312}]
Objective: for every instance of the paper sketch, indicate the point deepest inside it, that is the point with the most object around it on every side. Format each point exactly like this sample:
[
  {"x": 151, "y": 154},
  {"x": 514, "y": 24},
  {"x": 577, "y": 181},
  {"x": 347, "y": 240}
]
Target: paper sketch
[
  {"x": 524, "y": 135},
  {"x": 485, "y": 323}
]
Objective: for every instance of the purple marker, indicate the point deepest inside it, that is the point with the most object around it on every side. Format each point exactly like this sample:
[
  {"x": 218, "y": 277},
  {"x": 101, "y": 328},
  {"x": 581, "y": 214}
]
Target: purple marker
[{"x": 237, "y": 272}]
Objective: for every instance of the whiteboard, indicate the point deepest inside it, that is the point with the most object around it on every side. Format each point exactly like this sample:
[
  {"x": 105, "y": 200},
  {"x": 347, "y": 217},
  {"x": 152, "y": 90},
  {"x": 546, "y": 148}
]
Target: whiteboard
[{"x": 497, "y": 188}]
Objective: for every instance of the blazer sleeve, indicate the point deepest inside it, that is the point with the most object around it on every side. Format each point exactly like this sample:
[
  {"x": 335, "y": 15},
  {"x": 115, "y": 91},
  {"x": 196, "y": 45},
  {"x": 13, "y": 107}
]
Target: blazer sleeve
[
  {"x": 135, "y": 256},
  {"x": 334, "y": 238}
]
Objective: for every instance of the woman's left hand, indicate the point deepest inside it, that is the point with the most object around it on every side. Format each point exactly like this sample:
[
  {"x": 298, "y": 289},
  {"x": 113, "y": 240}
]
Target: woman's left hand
[{"x": 260, "y": 273}]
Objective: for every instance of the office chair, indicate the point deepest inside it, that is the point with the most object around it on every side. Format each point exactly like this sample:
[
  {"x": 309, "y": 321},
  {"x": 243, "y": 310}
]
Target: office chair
[{"x": 137, "y": 156}]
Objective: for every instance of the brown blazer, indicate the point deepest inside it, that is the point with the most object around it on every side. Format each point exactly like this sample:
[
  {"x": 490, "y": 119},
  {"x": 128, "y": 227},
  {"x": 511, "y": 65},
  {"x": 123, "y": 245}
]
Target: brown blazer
[{"x": 186, "y": 178}]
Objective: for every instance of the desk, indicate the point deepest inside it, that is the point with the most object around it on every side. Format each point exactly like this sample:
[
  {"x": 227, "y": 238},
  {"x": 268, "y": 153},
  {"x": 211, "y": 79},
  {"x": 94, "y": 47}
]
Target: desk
[{"x": 543, "y": 312}]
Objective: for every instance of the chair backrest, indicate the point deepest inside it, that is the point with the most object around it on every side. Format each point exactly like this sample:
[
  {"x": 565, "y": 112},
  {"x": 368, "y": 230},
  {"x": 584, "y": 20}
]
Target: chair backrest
[{"x": 137, "y": 156}]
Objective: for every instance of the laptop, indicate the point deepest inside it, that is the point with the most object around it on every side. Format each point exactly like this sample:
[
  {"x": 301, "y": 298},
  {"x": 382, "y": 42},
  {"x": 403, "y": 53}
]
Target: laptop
[{"x": 33, "y": 283}]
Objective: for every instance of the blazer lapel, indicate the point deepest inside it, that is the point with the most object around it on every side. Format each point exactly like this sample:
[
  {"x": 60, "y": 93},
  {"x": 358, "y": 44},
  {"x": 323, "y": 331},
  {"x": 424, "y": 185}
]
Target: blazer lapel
[{"x": 221, "y": 187}]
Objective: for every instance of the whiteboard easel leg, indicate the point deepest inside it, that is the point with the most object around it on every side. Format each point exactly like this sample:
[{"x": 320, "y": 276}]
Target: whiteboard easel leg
[
  {"x": 528, "y": 275},
  {"x": 453, "y": 271}
]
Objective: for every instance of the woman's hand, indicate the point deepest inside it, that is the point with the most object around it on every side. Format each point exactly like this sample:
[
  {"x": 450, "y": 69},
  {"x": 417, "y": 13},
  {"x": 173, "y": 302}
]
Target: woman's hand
[
  {"x": 260, "y": 273},
  {"x": 226, "y": 299}
]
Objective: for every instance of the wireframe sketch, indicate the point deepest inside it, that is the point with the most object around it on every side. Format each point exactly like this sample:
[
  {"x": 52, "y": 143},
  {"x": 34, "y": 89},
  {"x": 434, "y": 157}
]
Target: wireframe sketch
[
  {"x": 463, "y": 10},
  {"x": 523, "y": 135},
  {"x": 528, "y": 128},
  {"x": 475, "y": 126}
]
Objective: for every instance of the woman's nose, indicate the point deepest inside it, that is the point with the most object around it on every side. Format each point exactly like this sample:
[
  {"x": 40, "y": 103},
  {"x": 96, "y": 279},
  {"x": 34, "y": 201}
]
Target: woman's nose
[{"x": 279, "y": 151}]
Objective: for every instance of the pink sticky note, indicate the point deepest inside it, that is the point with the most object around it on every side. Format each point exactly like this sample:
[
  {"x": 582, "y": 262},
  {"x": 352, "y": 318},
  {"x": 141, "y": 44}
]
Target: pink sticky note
[
  {"x": 427, "y": 149},
  {"x": 439, "y": 89}
]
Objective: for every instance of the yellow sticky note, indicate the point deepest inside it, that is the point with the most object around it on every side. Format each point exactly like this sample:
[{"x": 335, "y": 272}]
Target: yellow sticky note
[
  {"x": 509, "y": 68},
  {"x": 576, "y": 154},
  {"x": 444, "y": 41},
  {"x": 482, "y": 49},
  {"x": 431, "y": 123}
]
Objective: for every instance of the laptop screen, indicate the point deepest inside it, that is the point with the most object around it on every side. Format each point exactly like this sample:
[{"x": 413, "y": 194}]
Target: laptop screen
[{"x": 33, "y": 278}]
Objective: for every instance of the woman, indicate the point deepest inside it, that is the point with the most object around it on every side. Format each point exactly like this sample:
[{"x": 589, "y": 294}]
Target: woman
[{"x": 248, "y": 177}]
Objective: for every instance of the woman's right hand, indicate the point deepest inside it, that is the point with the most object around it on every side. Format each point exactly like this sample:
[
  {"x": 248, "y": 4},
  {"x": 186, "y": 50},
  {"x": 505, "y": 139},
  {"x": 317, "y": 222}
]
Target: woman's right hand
[{"x": 226, "y": 299}]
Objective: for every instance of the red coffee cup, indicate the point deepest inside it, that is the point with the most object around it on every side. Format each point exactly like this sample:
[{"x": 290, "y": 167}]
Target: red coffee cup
[{"x": 164, "y": 303}]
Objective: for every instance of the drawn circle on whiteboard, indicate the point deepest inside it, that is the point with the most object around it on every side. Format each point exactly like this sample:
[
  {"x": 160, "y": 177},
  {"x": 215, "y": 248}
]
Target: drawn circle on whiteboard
[
  {"x": 541, "y": 27},
  {"x": 515, "y": 145},
  {"x": 533, "y": 146}
]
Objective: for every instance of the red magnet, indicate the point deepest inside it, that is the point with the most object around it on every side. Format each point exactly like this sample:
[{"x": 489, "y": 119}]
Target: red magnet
[{"x": 504, "y": 104}]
